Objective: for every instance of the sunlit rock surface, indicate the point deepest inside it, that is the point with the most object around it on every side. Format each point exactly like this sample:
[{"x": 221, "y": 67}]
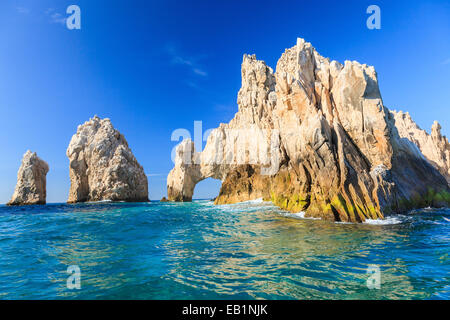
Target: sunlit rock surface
[
  {"x": 31, "y": 181},
  {"x": 102, "y": 166},
  {"x": 315, "y": 137}
]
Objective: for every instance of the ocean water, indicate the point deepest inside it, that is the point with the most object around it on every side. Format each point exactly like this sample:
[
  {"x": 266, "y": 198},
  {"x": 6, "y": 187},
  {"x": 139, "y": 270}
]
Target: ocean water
[{"x": 197, "y": 250}]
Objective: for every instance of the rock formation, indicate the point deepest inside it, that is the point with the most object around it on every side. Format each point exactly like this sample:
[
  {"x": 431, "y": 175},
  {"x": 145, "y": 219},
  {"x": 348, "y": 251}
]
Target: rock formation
[
  {"x": 315, "y": 137},
  {"x": 102, "y": 166},
  {"x": 31, "y": 181},
  {"x": 434, "y": 146}
]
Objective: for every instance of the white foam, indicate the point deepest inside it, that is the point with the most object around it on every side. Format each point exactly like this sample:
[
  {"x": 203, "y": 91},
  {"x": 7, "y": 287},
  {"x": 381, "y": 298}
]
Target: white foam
[
  {"x": 256, "y": 201},
  {"x": 299, "y": 215},
  {"x": 100, "y": 201},
  {"x": 387, "y": 221},
  {"x": 245, "y": 204}
]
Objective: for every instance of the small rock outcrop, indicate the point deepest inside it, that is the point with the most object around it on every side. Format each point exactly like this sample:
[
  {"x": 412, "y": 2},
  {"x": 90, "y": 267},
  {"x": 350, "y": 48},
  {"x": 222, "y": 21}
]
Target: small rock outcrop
[
  {"x": 315, "y": 137},
  {"x": 102, "y": 166},
  {"x": 31, "y": 181}
]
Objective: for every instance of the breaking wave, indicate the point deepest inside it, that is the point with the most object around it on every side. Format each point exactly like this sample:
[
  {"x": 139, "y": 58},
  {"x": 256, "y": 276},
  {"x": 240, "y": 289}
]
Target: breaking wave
[{"x": 387, "y": 221}]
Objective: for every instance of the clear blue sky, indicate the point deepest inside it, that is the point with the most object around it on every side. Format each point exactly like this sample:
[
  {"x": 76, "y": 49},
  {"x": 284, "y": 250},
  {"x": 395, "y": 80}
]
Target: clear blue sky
[{"x": 154, "y": 66}]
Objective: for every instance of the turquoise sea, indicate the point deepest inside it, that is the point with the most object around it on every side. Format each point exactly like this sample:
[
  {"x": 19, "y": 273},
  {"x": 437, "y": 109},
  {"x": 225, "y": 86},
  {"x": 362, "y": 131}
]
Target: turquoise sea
[{"x": 196, "y": 250}]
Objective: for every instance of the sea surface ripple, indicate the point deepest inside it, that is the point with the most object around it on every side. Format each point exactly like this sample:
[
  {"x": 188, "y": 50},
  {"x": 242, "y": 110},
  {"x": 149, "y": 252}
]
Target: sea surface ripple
[{"x": 198, "y": 250}]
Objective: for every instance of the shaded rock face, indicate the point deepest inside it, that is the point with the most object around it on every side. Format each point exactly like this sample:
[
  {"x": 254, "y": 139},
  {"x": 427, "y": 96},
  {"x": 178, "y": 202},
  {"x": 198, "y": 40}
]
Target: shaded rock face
[
  {"x": 31, "y": 181},
  {"x": 434, "y": 146},
  {"x": 102, "y": 166},
  {"x": 314, "y": 136}
]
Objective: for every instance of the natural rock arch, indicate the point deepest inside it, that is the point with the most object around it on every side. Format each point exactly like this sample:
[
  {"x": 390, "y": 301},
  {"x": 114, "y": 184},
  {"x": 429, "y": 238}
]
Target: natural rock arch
[{"x": 315, "y": 137}]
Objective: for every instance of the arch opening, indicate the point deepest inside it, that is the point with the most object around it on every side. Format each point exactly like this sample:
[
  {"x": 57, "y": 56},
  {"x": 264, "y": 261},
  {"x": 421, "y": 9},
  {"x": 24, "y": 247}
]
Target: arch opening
[{"x": 207, "y": 189}]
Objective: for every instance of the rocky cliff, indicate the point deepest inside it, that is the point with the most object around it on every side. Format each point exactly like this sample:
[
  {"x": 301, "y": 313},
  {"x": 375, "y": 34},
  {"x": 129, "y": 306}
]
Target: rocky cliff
[
  {"x": 31, "y": 181},
  {"x": 434, "y": 146},
  {"x": 102, "y": 166},
  {"x": 314, "y": 136}
]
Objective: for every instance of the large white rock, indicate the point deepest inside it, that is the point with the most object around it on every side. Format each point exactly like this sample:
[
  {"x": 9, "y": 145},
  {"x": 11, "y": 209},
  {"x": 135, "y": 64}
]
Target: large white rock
[
  {"x": 102, "y": 166},
  {"x": 31, "y": 181}
]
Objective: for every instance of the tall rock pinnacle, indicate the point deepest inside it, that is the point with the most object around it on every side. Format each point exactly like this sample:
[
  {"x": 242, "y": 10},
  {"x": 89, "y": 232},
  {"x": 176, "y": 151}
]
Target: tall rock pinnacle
[{"x": 31, "y": 181}]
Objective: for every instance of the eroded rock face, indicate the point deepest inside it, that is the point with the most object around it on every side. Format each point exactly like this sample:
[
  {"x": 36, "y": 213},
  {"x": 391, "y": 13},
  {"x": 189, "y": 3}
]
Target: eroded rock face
[
  {"x": 102, "y": 166},
  {"x": 314, "y": 136},
  {"x": 434, "y": 146},
  {"x": 31, "y": 181}
]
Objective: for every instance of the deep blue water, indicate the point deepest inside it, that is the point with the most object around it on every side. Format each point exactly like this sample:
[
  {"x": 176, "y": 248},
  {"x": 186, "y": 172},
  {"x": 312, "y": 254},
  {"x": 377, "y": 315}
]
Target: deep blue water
[{"x": 201, "y": 251}]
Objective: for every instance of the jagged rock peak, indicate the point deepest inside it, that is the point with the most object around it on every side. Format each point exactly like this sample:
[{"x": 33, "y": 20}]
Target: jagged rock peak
[
  {"x": 102, "y": 166},
  {"x": 314, "y": 136},
  {"x": 434, "y": 146},
  {"x": 31, "y": 181}
]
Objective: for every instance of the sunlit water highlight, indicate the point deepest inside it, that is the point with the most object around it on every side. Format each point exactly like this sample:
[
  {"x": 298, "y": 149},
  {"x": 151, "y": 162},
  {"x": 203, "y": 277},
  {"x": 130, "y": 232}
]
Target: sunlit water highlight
[{"x": 201, "y": 251}]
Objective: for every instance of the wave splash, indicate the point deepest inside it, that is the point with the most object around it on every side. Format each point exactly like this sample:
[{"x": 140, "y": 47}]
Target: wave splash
[{"x": 387, "y": 221}]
